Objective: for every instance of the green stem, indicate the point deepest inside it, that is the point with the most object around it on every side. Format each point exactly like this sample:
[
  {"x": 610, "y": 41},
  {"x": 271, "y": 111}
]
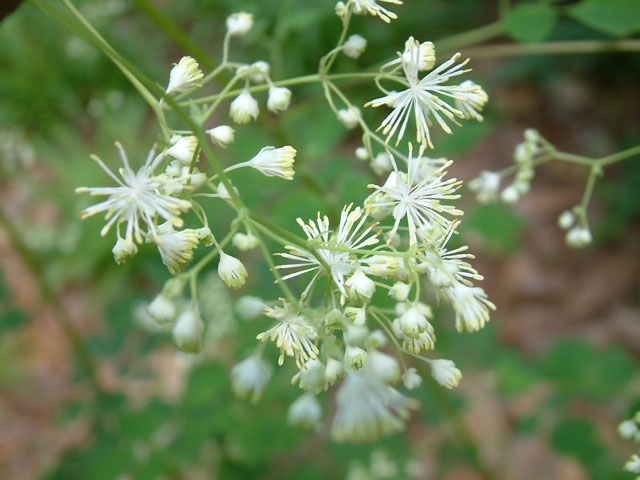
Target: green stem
[
  {"x": 470, "y": 37},
  {"x": 553, "y": 48},
  {"x": 616, "y": 157},
  {"x": 173, "y": 31}
]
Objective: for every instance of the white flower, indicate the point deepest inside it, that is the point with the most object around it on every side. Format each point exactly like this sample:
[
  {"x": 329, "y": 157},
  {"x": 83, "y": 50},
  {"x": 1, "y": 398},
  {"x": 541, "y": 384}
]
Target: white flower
[
  {"x": 279, "y": 98},
  {"x": 382, "y": 265},
  {"x": 176, "y": 247},
  {"x": 413, "y": 322},
  {"x": 123, "y": 249},
  {"x": 411, "y": 379},
  {"x": 383, "y": 366},
  {"x": 381, "y": 164},
  {"x": 311, "y": 376},
  {"x": 472, "y": 102},
  {"x": 486, "y": 186},
  {"x": 362, "y": 7},
  {"x": 250, "y": 377},
  {"x": 367, "y": 409},
  {"x": 231, "y": 270},
  {"x": 293, "y": 335},
  {"x": 250, "y": 308},
  {"x": 183, "y": 148},
  {"x": 340, "y": 264},
  {"x": 244, "y": 108},
  {"x": 633, "y": 464},
  {"x": 471, "y": 305},
  {"x": 425, "y": 54},
  {"x": 162, "y": 310},
  {"x": 349, "y": 117},
  {"x": 223, "y": 135},
  {"x": 360, "y": 286},
  {"x": 184, "y": 75},
  {"x": 305, "y": 412},
  {"x": 358, "y": 315},
  {"x": 333, "y": 371},
  {"x": 260, "y": 71},
  {"x": 578, "y": 237},
  {"x": 400, "y": 291},
  {"x": 628, "y": 429},
  {"x": 354, "y": 46},
  {"x": 566, "y": 220},
  {"x": 239, "y": 23},
  {"x": 445, "y": 373},
  {"x": 418, "y": 200},
  {"x": 138, "y": 199},
  {"x": 244, "y": 241},
  {"x": 275, "y": 162},
  {"x": 423, "y": 98},
  {"x": 188, "y": 332}
]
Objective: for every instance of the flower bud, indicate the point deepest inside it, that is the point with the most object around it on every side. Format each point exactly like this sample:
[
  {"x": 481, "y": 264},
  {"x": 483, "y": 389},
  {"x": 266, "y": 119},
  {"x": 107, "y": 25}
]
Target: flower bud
[
  {"x": 333, "y": 371},
  {"x": 239, "y": 23},
  {"x": 445, "y": 373},
  {"x": 384, "y": 366},
  {"x": 354, "y": 46},
  {"x": 183, "y": 148},
  {"x": 510, "y": 195},
  {"x": 188, "y": 332},
  {"x": 123, "y": 249},
  {"x": 357, "y": 315},
  {"x": 162, "y": 310},
  {"x": 400, "y": 291},
  {"x": 578, "y": 237},
  {"x": 362, "y": 153},
  {"x": 360, "y": 286},
  {"x": 566, "y": 220},
  {"x": 249, "y": 308},
  {"x": 244, "y": 108},
  {"x": 413, "y": 322},
  {"x": 349, "y": 117},
  {"x": 279, "y": 98},
  {"x": 231, "y": 270},
  {"x": 628, "y": 429},
  {"x": 312, "y": 376},
  {"x": 305, "y": 412},
  {"x": 260, "y": 71},
  {"x": 250, "y": 377},
  {"x": 223, "y": 135},
  {"x": 411, "y": 379},
  {"x": 244, "y": 241},
  {"x": 184, "y": 75},
  {"x": 381, "y": 164},
  {"x": 355, "y": 357}
]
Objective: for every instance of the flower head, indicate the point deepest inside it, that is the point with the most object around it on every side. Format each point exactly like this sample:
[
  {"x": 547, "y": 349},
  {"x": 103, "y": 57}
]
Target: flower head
[
  {"x": 279, "y": 98},
  {"x": 189, "y": 331},
  {"x": 292, "y": 334},
  {"x": 338, "y": 264},
  {"x": 471, "y": 305},
  {"x": 354, "y": 46},
  {"x": 305, "y": 412},
  {"x": 445, "y": 373},
  {"x": 183, "y": 148},
  {"x": 424, "y": 97},
  {"x": 184, "y": 75},
  {"x": 349, "y": 117},
  {"x": 223, "y": 134},
  {"x": 231, "y": 270},
  {"x": 138, "y": 200},
  {"x": 417, "y": 200}
]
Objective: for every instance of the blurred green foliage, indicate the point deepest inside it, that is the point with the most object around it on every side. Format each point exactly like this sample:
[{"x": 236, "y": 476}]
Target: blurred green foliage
[{"x": 71, "y": 101}]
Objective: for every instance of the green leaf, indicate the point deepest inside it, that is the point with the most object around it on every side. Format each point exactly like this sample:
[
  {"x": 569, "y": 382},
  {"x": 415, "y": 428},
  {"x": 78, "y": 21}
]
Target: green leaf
[
  {"x": 530, "y": 22},
  {"x": 578, "y": 438},
  {"x": 615, "y": 17}
]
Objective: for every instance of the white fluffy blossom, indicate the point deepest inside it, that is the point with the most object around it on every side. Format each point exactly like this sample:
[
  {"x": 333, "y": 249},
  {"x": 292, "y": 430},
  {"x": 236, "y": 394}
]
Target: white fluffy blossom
[
  {"x": 424, "y": 98},
  {"x": 349, "y": 117},
  {"x": 244, "y": 108},
  {"x": 292, "y": 334},
  {"x": 138, "y": 199},
  {"x": 349, "y": 234},
  {"x": 372, "y": 7},
  {"x": 417, "y": 200},
  {"x": 473, "y": 102},
  {"x": 274, "y": 162},
  {"x": 368, "y": 409},
  {"x": 184, "y": 75},
  {"x": 471, "y": 306}
]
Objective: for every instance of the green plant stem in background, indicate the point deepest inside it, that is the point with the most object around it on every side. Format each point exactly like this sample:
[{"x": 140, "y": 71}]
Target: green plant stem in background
[
  {"x": 553, "y": 48},
  {"x": 52, "y": 297}
]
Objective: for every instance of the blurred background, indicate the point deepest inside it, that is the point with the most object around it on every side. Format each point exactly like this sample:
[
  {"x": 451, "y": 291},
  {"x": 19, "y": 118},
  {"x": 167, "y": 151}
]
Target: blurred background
[{"x": 89, "y": 389}]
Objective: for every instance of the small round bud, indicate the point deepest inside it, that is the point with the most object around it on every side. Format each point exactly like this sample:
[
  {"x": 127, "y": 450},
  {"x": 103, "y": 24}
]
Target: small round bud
[
  {"x": 400, "y": 291},
  {"x": 279, "y": 98},
  {"x": 223, "y": 135},
  {"x": 183, "y": 148},
  {"x": 578, "y": 237},
  {"x": 510, "y": 195},
  {"x": 249, "y": 308},
  {"x": 362, "y": 153},
  {"x": 244, "y": 241},
  {"x": 305, "y": 412},
  {"x": 188, "y": 332},
  {"x": 244, "y": 108},
  {"x": 411, "y": 379},
  {"x": 239, "y": 23},
  {"x": 628, "y": 429},
  {"x": 355, "y": 357},
  {"x": 445, "y": 373},
  {"x": 261, "y": 70},
  {"x": 162, "y": 310},
  {"x": 123, "y": 249},
  {"x": 250, "y": 377},
  {"x": 349, "y": 117},
  {"x": 381, "y": 164},
  {"x": 354, "y": 46},
  {"x": 566, "y": 220}
]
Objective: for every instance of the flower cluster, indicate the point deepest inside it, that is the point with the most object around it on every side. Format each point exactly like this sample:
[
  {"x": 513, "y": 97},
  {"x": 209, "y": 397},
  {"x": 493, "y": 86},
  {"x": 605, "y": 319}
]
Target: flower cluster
[
  {"x": 396, "y": 245},
  {"x": 629, "y": 430}
]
